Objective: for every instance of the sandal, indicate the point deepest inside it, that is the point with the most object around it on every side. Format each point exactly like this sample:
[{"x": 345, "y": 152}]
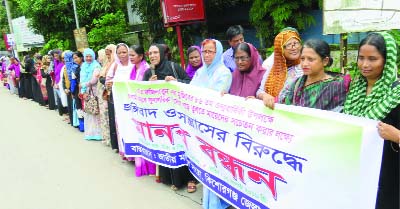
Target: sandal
[
  {"x": 191, "y": 187},
  {"x": 174, "y": 188}
]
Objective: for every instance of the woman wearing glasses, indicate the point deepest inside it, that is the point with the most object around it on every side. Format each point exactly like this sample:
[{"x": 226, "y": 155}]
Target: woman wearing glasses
[
  {"x": 285, "y": 69},
  {"x": 212, "y": 75},
  {"x": 317, "y": 88},
  {"x": 248, "y": 74}
]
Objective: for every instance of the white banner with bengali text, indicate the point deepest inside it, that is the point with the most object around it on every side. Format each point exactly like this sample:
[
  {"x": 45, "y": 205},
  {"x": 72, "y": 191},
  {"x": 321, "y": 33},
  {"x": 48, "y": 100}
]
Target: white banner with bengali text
[{"x": 249, "y": 155}]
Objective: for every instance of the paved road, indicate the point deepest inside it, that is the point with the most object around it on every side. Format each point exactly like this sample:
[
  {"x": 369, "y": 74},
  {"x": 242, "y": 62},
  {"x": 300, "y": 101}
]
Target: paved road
[{"x": 46, "y": 164}]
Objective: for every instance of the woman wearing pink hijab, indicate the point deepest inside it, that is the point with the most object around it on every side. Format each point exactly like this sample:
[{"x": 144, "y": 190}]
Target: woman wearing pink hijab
[{"x": 248, "y": 74}]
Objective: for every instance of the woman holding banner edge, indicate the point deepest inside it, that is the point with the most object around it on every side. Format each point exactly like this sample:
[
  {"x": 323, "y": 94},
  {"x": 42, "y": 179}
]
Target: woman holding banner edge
[
  {"x": 375, "y": 94},
  {"x": 212, "y": 75}
]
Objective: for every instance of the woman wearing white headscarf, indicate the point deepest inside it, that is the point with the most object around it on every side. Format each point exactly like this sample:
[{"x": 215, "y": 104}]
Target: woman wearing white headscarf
[{"x": 119, "y": 71}]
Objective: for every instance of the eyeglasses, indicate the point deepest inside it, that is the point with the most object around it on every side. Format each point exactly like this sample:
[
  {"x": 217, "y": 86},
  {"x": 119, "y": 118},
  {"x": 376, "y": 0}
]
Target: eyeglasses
[
  {"x": 242, "y": 58},
  {"x": 208, "y": 52},
  {"x": 294, "y": 45}
]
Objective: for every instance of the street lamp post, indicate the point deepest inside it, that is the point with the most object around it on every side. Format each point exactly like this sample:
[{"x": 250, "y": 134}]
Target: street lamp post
[
  {"x": 13, "y": 50},
  {"x": 76, "y": 15}
]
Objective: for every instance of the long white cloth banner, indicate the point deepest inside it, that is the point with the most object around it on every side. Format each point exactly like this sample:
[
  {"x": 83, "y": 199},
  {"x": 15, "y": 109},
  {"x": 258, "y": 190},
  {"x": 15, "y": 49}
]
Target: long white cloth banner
[{"x": 249, "y": 155}]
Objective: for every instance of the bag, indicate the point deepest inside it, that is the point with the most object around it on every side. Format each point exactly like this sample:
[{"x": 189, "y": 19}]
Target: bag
[{"x": 92, "y": 103}]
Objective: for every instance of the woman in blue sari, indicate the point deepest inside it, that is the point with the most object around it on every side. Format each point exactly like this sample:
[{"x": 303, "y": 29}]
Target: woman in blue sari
[{"x": 212, "y": 75}]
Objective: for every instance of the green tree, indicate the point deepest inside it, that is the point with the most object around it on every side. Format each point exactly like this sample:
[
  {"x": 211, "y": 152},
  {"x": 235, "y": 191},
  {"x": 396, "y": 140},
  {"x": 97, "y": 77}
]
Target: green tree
[
  {"x": 270, "y": 16},
  {"x": 55, "y": 20},
  {"x": 107, "y": 29}
]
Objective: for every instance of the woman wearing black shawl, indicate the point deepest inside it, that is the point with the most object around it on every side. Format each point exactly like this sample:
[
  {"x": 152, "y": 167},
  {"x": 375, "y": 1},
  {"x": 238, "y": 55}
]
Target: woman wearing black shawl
[{"x": 163, "y": 69}]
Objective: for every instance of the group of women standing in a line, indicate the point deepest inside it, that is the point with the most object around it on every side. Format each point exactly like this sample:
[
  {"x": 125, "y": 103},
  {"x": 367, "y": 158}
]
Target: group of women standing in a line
[{"x": 297, "y": 76}]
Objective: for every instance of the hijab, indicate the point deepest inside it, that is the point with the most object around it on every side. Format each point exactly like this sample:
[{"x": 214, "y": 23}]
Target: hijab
[
  {"x": 277, "y": 76},
  {"x": 191, "y": 70},
  {"x": 108, "y": 62},
  {"x": 246, "y": 83},
  {"x": 70, "y": 64},
  {"x": 205, "y": 76},
  {"x": 88, "y": 68},
  {"x": 384, "y": 96}
]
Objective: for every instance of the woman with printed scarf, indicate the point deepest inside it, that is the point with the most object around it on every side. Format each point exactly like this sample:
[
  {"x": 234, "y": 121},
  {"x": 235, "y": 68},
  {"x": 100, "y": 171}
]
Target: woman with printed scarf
[
  {"x": 70, "y": 67},
  {"x": 101, "y": 88},
  {"x": 285, "y": 68},
  {"x": 375, "y": 94},
  {"x": 89, "y": 75}
]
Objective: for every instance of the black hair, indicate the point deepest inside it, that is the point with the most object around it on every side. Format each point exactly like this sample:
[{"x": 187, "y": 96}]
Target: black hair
[
  {"x": 320, "y": 47},
  {"x": 233, "y": 31},
  {"x": 376, "y": 40},
  {"x": 191, "y": 49},
  {"x": 78, "y": 54},
  {"x": 244, "y": 47},
  {"x": 139, "y": 50}
]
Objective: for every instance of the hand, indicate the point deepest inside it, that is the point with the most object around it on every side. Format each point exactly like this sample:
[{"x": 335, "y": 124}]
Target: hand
[
  {"x": 268, "y": 100},
  {"x": 223, "y": 93},
  {"x": 250, "y": 97},
  {"x": 170, "y": 78},
  {"x": 66, "y": 91},
  {"x": 153, "y": 78},
  {"x": 84, "y": 96},
  {"x": 55, "y": 86},
  {"x": 388, "y": 132}
]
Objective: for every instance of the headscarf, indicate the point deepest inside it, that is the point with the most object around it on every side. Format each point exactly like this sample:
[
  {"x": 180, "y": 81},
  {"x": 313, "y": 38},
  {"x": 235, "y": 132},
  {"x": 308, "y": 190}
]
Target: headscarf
[
  {"x": 246, "y": 84},
  {"x": 88, "y": 68},
  {"x": 116, "y": 59},
  {"x": 58, "y": 65},
  {"x": 163, "y": 58},
  {"x": 206, "y": 72},
  {"x": 107, "y": 64},
  {"x": 71, "y": 67},
  {"x": 70, "y": 64},
  {"x": 384, "y": 97},
  {"x": 190, "y": 70},
  {"x": 277, "y": 76}
]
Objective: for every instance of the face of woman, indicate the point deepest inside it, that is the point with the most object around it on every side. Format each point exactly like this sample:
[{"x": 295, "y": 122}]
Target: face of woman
[
  {"x": 48, "y": 59},
  {"x": 77, "y": 59},
  {"x": 194, "y": 58},
  {"x": 312, "y": 63},
  {"x": 242, "y": 60},
  {"x": 291, "y": 50},
  {"x": 122, "y": 53},
  {"x": 209, "y": 51},
  {"x": 134, "y": 57},
  {"x": 154, "y": 55},
  {"x": 88, "y": 58},
  {"x": 108, "y": 53},
  {"x": 57, "y": 56},
  {"x": 370, "y": 62}
]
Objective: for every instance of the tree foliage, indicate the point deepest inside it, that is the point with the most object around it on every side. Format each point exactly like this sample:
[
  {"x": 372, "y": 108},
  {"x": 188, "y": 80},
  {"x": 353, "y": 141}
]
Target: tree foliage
[
  {"x": 270, "y": 16},
  {"x": 55, "y": 20},
  {"x": 107, "y": 29}
]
